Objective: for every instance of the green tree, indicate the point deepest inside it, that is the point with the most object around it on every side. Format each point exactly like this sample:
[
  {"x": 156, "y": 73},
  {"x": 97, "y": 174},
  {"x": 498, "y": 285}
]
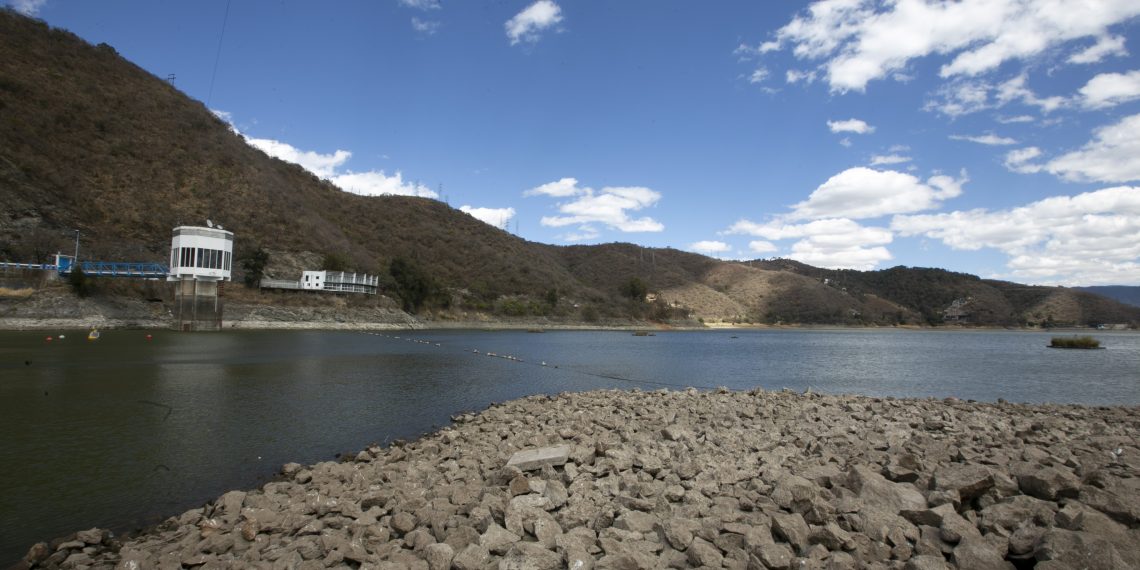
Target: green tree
[
  {"x": 80, "y": 282},
  {"x": 635, "y": 289},
  {"x": 335, "y": 262},
  {"x": 254, "y": 267},
  {"x": 413, "y": 286}
]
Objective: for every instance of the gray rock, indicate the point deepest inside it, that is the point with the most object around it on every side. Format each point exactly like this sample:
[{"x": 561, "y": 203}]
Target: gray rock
[
  {"x": 679, "y": 532},
  {"x": 1078, "y": 550},
  {"x": 530, "y": 556},
  {"x": 977, "y": 554},
  {"x": 1049, "y": 484},
  {"x": 474, "y": 557},
  {"x": 926, "y": 562},
  {"x": 702, "y": 553},
  {"x": 774, "y": 556},
  {"x": 636, "y": 521},
  {"x": 533, "y": 459},
  {"x": 969, "y": 480},
  {"x": 498, "y": 539},
  {"x": 792, "y": 528},
  {"x": 403, "y": 522},
  {"x": 876, "y": 490}
]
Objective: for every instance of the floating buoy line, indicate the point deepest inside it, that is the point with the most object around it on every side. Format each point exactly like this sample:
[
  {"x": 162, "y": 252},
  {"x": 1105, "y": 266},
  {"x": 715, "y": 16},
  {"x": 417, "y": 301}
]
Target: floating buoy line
[{"x": 542, "y": 363}]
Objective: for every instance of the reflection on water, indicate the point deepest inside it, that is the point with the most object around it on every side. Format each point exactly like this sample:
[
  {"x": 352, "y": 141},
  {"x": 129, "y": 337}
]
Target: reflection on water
[{"x": 121, "y": 431}]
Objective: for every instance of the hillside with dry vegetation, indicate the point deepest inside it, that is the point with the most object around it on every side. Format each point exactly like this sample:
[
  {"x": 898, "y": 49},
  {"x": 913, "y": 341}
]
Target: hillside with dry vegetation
[{"x": 90, "y": 141}]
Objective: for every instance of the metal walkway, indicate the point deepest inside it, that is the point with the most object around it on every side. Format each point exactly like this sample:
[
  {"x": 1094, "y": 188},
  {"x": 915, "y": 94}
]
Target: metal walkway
[{"x": 138, "y": 270}]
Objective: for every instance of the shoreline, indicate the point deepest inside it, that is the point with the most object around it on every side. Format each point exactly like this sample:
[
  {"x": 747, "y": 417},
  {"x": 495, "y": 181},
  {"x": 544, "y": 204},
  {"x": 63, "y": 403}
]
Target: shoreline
[
  {"x": 70, "y": 324},
  {"x": 685, "y": 479}
]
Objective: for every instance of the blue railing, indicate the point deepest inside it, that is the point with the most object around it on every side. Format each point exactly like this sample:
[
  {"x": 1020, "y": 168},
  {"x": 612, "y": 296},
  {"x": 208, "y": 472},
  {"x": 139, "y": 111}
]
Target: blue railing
[{"x": 142, "y": 270}]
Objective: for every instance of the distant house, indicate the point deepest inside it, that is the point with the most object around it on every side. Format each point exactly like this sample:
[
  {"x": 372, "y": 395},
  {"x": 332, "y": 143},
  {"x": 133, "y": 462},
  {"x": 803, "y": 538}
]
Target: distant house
[
  {"x": 956, "y": 312},
  {"x": 339, "y": 282},
  {"x": 330, "y": 281}
]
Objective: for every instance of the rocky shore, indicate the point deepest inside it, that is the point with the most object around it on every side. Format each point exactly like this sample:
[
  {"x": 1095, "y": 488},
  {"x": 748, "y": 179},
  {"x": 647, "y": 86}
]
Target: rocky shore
[{"x": 667, "y": 479}]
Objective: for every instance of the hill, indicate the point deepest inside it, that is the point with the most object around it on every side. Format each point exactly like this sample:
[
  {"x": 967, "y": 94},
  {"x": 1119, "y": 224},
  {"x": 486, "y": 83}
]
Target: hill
[
  {"x": 90, "y": 141},
  {"x": 1129, "y": 295}
]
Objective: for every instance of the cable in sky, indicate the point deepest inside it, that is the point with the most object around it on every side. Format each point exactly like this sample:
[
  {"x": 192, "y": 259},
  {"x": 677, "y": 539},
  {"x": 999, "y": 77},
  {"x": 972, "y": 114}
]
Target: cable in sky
[{"x": 218, "y": 56}]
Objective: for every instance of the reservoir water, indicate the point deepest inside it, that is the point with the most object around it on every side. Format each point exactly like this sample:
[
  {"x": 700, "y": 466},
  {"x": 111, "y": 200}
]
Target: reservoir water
[{"x": 125, "y": 431}]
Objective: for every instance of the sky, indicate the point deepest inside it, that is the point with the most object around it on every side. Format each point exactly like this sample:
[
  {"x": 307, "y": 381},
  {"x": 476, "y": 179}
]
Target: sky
[{"x": 993, "y": 137}]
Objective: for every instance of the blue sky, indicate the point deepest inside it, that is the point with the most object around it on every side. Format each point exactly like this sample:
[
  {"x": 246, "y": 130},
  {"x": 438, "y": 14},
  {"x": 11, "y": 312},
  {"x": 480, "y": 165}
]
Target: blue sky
[{"x": 996, "y": 137}]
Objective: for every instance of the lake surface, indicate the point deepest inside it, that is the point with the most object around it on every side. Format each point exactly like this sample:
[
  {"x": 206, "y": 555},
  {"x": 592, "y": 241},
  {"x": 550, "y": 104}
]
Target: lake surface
[{"x": 125, "y": 431}]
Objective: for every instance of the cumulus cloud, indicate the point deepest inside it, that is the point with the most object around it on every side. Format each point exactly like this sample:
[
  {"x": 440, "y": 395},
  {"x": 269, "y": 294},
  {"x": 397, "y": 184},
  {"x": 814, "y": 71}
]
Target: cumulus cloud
[
  {"x": 867, "y": 193},
  {"x": 859, "y": 41},
  {"x": 1090, "y": 238},
  {"x": 323, "y": 165},
  {"x": 1015, "y": 119},
  {"x": 328, "y": 166},
  {"x": 762, "y": 246},
  {"x": 1020, "y": 160},
  {"x": 1110, "y": 89},
  {"x": 376, "y": 183},
  {"x": 850, "y": 126},
  {"x": 526, "y": 26},
  {"x": 426, "y": 27},
  {"x": 880, "y": 159},
  {"x": 610, "y": 206},
  {"x": 559, "y": 188},
  {"x": 758, "y": 75},
  {"x": 1105, "y": 46},
  {"x": 986, "y": 139},
  {"x": 708, "y": 247},
  {"x": 27, "y": 7},
  {"x": 498, "y": 217},
  {"x": 835, "y": 243},
  {"x": 1113, "y": 155}
]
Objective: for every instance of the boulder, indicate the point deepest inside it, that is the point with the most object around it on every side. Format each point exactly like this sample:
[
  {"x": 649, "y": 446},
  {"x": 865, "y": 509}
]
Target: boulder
[
  {"x": 874, "y": 489},
  {"x": 969, "y": 480},
  {"x": 534, "y": 459}
]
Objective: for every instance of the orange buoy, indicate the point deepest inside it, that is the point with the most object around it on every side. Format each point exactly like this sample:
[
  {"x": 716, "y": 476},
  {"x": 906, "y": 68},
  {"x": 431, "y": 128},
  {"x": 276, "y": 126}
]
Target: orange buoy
[
  {"x": 148, "y": 337},
  {"x": 48, "y": 339}
]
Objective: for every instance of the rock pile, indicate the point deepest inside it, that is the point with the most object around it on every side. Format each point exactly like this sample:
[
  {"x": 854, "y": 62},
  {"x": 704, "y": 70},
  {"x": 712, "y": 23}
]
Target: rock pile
[{"x": 628, "y": 480}]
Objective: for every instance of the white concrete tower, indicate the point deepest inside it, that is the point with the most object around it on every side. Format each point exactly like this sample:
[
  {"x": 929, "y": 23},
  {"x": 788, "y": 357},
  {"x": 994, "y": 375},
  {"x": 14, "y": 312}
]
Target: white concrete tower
[{"x": 203, "y": 254}]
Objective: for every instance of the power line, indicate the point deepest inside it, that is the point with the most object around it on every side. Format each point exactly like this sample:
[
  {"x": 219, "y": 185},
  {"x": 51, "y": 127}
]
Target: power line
[{"x": 218, "y": 56}]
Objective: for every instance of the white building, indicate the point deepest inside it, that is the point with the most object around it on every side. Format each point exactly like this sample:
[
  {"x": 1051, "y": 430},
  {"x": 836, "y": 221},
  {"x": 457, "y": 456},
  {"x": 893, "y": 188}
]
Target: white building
[
  {"x": 201, "y": 254},
  {"x": 339, "y": 282}
]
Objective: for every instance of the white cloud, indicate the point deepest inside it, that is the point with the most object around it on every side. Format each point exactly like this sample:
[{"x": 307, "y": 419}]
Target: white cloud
[
  {"x": 1015, "y": 119},
  {"x": 1110, "y": 89},
  {"x": 1019, "y": 160},
  {"x": 609, "y": 206},
  {"x": 880, "y": 159},
  {"x": 709, "y": 247},
  {"x": 422, "y": 4},
  {"x": 558, "y": 189},
  {"x": 1105, "y": 46},
  {"x": 584, "y": 233},
  {"x": 833, "y": 243},
  {"x": 963, "y": 97},
  {"x": 426, "y": 27},
  {"x": 528, "y": 24},
  {"x": 846, "y": 142},
  {"x": 863, "y": 40},
  {"x": 328, "y": 166},
  {"x": 866, "y": 193},
  {"x": 323, "y": 165},
  {"x": 27, "y": 7},
  {"x": 376, "y": 183},
  {"x": 758, "y": 75},
  {"x": 850, "y": 126},
  {"x": 1112, "y": 156},
  {"x": 762, "y": 246},
  {"x": 498, "y": 217},
  {"x": 989, "y": 139},
  {"x": 1090, "y": 238},
  {"x": 796, "y": 76}
]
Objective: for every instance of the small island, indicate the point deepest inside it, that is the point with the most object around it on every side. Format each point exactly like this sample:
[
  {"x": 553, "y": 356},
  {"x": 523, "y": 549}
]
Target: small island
[{"x": 1086, "y": 342}]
